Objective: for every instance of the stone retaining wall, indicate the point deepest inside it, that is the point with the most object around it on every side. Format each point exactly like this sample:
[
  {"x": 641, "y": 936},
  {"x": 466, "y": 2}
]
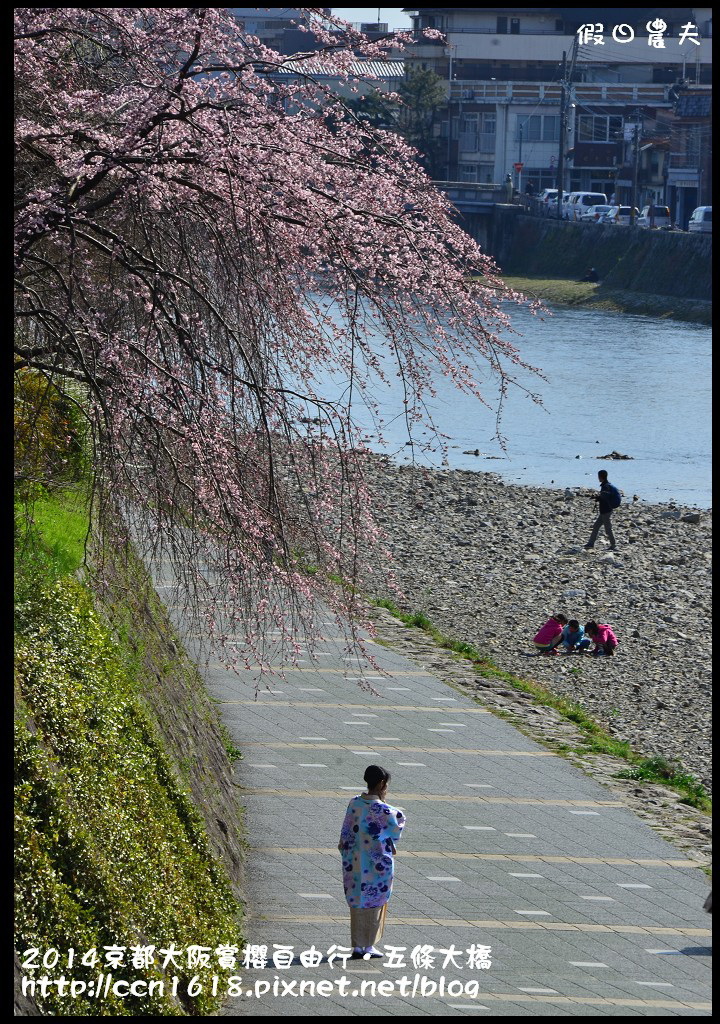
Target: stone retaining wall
[{"x": 656, "y": 262}]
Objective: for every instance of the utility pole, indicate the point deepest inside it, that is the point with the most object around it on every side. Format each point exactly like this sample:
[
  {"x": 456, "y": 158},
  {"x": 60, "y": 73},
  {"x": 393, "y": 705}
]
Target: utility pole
[
  {"x": 636, "y": 168},
  {"x": 561, "y": 148},
  {"x": 520, "y": 158},
  {"x": 565, "y": 81},
  {"x": 450, "y": 80}
]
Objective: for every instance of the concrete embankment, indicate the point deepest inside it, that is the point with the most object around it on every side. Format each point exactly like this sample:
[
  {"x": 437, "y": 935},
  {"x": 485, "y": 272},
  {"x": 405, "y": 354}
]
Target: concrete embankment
[
  {"x": 659, "y": 273},
  {"x": 488, "y": 563}
]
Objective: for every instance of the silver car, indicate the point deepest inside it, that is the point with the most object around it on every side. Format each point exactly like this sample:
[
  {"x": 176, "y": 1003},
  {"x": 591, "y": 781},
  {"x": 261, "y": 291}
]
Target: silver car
[
  {"x": 654, "y": 217},
  {"x": 619, "y": 215},
  {"x": 596, "y": 214}
]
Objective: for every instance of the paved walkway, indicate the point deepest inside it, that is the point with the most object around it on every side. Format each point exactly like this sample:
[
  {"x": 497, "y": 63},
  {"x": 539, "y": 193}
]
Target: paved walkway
[{"x": 587, "y": 912}]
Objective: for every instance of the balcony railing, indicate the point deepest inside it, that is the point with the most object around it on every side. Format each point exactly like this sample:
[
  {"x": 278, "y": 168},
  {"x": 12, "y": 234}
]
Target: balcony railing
[
  {"x": 684, "y": 160},
  {"x": 472, "y": 192},
  {"x": 492, "y": 31},
  {"x": 469, "y": 90}
]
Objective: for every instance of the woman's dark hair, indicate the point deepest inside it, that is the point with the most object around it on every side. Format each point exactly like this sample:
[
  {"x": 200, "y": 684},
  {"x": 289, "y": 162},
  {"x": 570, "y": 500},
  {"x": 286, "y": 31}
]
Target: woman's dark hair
[
  {"x": 374, "y": 774},
  {"x": 591, "y": 627},
  {"x": 560, "y": 618}
]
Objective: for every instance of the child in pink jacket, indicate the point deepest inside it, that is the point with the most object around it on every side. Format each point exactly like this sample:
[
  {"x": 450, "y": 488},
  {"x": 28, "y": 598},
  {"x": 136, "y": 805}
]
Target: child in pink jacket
[
  {"x": 603, "y": 636},
  {"x": 550, "y": 635}
]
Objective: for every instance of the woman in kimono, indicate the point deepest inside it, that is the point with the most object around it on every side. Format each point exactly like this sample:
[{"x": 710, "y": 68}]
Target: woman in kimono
[{"x": 367, "y": 845}]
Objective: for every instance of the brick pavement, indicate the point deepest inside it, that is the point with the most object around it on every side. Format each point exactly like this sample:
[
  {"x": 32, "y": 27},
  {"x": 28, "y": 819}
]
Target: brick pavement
[{"x": 586, "y": 910}]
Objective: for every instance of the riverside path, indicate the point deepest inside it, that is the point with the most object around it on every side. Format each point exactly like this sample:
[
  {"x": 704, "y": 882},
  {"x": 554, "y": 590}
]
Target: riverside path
[{"x": 510, "y": 856}]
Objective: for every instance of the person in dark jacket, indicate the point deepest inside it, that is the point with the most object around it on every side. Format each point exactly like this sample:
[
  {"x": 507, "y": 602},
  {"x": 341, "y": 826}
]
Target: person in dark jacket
[
  {"x": 609, "y": 498},
  {"x": 592, "y": 275}
]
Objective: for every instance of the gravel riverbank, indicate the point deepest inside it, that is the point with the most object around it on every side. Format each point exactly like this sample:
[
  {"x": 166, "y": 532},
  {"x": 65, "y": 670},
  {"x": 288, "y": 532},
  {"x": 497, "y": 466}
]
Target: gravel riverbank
[{"x": 488, "y": 562}]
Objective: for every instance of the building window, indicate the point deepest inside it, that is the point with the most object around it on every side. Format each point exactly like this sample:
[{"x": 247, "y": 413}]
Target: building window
[
  {"x": 551, "y": 128},
  {"x": 467, "y": 172},
  {"x": 599, "y": 128},
  {"x": 538, "y": 128},
  {"x": 502, "y": 26},
  {"x": 529, "y": 128},
  {"x": 541, "y": 177},
  {"x": 515, "y": 26}
]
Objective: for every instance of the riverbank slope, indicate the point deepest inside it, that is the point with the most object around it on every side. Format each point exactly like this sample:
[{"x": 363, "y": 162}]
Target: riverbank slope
[
  {"x": 560, "y": 291},
  {"x": 650, "y": 273},
  {"x": 488, "y": 562}
]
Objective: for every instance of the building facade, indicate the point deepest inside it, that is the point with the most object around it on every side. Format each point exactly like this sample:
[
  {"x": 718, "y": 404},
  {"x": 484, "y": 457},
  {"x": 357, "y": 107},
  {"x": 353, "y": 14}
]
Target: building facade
[{"x": 616, "y": 94}]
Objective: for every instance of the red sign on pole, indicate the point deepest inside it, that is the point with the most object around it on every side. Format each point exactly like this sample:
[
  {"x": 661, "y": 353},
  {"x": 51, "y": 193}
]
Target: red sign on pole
[{"x": 518, "y": 167}]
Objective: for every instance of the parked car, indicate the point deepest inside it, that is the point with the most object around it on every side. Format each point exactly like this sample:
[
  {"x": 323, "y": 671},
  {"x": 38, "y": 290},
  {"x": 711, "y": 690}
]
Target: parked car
[
  {"x": 701, "y": 220},
  {"x": 548, "y": 202},
  {"x": 654, "y": 217},
  {"x": 595, "y": 214},
  {"x": 583, "y": 202},
  {"x": 618, "y": 215}
]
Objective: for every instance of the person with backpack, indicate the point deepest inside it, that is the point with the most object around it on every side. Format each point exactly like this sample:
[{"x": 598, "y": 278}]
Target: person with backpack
[{"x": 609, "y": 499}]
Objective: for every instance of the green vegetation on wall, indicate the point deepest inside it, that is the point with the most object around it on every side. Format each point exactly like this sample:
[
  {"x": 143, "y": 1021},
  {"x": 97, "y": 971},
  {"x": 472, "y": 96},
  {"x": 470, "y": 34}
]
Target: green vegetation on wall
[
  {"x": 110, "y": 851},
  {"x": 50, "y": 432}
]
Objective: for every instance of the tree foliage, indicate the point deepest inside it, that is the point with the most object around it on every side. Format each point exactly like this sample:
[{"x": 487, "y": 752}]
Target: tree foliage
[
  {"x": 375, "y": 108},
  {"x": 201, "y": 246},
  {"x": 423, "y": 94},
  {"x": 49, "y": 429}
]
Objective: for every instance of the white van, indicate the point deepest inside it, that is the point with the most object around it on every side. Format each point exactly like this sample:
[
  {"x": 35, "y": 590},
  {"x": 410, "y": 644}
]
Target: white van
[
  {"x": 654, "y": 217},
  {"x": 547, "y": 202},
  {"x": 568, "y": 200},
  {"x": 701, "y": 220},
  {"x": 583, "y": 202}
]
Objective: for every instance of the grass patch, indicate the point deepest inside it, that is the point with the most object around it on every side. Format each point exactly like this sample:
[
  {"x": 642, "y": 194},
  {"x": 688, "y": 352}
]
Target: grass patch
[
  {"x": 51, "y": 533},
  {"x": 658, "y": 769},
  {"x": 234, "y": 753},
  {"x": 587, "y": 295},
  {"x": 595, "y": 738}
]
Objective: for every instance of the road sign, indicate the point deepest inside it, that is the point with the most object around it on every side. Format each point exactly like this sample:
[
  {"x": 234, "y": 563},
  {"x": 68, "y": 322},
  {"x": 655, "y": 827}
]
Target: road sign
[{"x": 518, "y": 167}]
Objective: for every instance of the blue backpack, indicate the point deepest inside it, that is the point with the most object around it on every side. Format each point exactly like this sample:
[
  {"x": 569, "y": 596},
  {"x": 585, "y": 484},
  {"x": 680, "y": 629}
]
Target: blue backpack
[{"x": 614, "y": 497}]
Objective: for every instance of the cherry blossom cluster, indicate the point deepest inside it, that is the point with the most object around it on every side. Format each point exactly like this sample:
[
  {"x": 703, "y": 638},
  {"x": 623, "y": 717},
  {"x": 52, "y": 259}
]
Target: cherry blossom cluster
[{"x": 202, "y": 242}]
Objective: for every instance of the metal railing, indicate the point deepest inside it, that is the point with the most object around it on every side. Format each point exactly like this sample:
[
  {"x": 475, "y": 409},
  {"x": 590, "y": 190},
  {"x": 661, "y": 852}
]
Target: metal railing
[{"x": 608, "y": 92}]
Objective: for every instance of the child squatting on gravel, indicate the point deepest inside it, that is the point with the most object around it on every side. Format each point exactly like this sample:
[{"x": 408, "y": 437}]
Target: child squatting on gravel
[
  {"x": 573, "y": 637},
  {"x": 603, "y": 636},
  {"x": 550, "y": 635}
]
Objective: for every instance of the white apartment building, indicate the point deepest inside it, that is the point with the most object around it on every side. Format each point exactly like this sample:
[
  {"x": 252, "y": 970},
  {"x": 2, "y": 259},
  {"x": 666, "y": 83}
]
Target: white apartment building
[{"x": 504, "y": 72}]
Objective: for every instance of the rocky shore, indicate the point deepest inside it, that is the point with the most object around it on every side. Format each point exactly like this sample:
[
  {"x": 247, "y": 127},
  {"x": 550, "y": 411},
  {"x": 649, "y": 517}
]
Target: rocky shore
[{"x": 488, "y": 562}]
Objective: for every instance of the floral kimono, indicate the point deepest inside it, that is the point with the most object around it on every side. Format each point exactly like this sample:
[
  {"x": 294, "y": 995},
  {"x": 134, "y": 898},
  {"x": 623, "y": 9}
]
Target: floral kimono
[{"x": 367, "y": 845}]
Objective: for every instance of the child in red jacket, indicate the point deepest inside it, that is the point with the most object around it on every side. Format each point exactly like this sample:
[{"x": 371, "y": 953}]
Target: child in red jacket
[
  {"x": 550, "y": 635},
  {"x": 603, "y": 636}
]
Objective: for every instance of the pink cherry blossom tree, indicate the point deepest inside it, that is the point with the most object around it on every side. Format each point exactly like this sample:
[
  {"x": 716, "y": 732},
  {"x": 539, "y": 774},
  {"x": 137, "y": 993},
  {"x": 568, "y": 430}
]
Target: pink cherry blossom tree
[{"x": 199, "y": 246}]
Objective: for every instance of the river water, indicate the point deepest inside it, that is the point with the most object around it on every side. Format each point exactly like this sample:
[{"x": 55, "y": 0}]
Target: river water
[{"x": 614, "y": 382}]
